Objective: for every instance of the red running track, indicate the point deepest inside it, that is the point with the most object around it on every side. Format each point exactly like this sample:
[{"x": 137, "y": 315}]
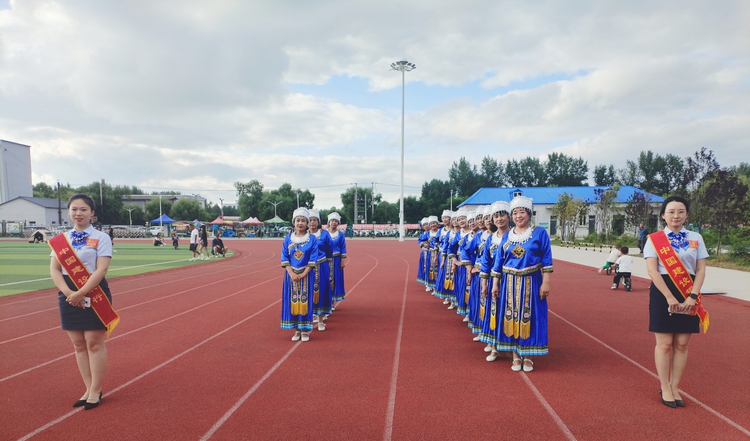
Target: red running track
[{"x": 200, "y": 355}]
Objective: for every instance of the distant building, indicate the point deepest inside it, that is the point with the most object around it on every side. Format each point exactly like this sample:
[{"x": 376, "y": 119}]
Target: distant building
[
  {"x": 140, "y": 200},
  {"x": 34, "y": 212},
  {"x": 545, "y": 197},
  {"x": 15, "y": 171}
]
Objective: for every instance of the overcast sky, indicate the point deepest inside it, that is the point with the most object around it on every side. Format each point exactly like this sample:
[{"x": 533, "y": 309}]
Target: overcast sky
[{"x": 194, "y": 95}]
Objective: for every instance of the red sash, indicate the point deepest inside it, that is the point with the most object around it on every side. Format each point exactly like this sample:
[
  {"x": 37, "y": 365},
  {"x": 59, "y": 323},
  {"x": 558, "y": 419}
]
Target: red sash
[
  {"x": 678, "y": 273},
  {"x": 78, "y": 273}
]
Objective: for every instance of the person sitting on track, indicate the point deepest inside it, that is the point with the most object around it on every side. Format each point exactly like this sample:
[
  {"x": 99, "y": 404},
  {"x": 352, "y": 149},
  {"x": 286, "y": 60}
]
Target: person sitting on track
[
  {"x": 624, "y": 267},
  {"x": 612, "y": 258},
  {"x": 217, "y": 245},
  {"x": 157, "y": 240}
]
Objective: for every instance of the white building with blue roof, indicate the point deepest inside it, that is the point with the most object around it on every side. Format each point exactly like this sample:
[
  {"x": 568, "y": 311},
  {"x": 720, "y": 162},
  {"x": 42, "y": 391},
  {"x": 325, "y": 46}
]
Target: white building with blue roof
[{"x": 545, "y": 198}]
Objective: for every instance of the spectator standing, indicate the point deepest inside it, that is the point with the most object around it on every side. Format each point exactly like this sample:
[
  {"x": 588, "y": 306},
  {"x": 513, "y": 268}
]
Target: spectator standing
[
  {"x": 642, "y": 235},
  {"x": 194, "y": 242}
]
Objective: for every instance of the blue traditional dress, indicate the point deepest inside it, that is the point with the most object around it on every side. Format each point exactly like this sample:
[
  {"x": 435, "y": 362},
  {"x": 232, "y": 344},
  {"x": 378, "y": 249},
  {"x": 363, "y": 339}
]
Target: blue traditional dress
[
  {"x": 469, "y": 258},
  {"x": 520, "y": 264},
  {"x": 488, "y": 306},
  {"x": 323, "y": 275},
  {"x": 459, "y": 287},
  {"x": 440, "y": 291},
  {"x": 339, "y": 252},
  {"x": 422, "y": 241},
  {"x": 296, "y": 297},
  {"x": 432, "y": 258}
]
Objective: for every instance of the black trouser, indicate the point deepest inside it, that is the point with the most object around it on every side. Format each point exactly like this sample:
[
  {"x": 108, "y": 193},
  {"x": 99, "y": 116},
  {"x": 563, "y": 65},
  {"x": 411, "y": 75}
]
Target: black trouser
[
  {"x": 641, "y": 244},
  {"x": 618, "y": 276}
]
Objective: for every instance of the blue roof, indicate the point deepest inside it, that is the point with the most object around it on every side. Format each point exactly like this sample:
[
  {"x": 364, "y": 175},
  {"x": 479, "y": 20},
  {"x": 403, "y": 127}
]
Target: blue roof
[{"x": 549, "y": 195}]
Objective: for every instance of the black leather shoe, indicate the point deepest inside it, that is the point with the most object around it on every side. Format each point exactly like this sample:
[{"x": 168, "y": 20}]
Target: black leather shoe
[
  {"x": 671, "y": 404},
  {"x": 89, "y": 406},
  {"x": 679, "y": 403},
  {"x": 79, "y": 403}
]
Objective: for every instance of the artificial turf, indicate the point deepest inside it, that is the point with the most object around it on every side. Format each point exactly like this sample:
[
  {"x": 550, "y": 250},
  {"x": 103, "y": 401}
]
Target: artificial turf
[{"x": 28, "y": 263}]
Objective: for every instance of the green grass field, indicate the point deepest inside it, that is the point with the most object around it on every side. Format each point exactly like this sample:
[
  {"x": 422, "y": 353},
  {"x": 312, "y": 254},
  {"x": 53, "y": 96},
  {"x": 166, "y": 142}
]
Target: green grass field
[{"x": 24, "y": 267}]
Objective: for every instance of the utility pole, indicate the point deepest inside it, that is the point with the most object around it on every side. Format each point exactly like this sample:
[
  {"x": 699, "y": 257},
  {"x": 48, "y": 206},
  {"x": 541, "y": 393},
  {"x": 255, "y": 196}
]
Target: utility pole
[
  {"x": 372, "y": 202},
  {"x": 356, "y": 204},
  {"x": 59, "y": 205}
]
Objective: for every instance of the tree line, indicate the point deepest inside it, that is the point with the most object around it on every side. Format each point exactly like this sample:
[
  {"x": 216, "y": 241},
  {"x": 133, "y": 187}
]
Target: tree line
[{"x": 113, "y": 208}]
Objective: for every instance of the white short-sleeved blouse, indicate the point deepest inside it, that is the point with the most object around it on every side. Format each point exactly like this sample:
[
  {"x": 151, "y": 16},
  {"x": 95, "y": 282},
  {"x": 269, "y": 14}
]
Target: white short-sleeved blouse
[
  {"x": 98, "y": 245},
  {"x": 689, "y": 256}
]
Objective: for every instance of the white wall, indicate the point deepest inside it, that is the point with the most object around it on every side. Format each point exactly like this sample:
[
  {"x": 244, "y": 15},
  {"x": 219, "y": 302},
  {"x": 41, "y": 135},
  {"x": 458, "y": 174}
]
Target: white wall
[{"x": 15, "y": 171}]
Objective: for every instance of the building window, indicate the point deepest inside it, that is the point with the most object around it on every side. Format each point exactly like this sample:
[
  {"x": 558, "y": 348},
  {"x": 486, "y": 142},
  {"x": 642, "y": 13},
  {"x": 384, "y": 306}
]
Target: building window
[{"x": 517, "y": 193}]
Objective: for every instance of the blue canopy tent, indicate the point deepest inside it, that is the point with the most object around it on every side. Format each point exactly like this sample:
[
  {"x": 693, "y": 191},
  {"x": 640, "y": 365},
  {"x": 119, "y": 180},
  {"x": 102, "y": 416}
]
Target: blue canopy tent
[{"x": 164, "y": 219}]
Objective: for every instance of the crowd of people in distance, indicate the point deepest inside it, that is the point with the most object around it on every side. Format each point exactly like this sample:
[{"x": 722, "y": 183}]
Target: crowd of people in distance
[{"x": 494, "y": 274}]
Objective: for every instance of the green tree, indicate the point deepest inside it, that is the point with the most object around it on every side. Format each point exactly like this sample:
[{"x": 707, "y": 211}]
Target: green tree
[
  {"x": 136, "y": 214},
  {"x": 436, "y": 196},
  {"x": 528, "y": 172},
  {"x": 563, "y": 170},
  {"x": 413, "y": 209},
  {"x": 386, "y": 212},
  {"x": 491, "y": 173},
  {"x": 728, "y": 196},
  {"x": 638, "y": 208},
  {"x": 568, "y": 210},
  {"x": 108, "y": 201},
  {"x": 604, "y": 206},
  {"x": 188, "y": 209},
  {"x": 364, "y": 199},
  {"x": 698, "y": 168},
  {"x": 152, "y": 208},
  {"x": 670, "y": 170},
  {"x": 604, "y": 176},
  {"x": 249, "y": 197},
  {"x": 42, "y": 190},
  {"x": 463, "y": 177}
]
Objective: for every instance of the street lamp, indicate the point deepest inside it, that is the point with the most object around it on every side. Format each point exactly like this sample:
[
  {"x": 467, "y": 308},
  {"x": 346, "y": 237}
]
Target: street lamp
[
  {"x": 274, "y": 206},
  {"x": 297, "y": 199},
  {"x": 221, "y": 203},
  {"x": 403, "y": 66},
  {"x": 161, "y": 227},
  {"x": 130, "y": 215}
]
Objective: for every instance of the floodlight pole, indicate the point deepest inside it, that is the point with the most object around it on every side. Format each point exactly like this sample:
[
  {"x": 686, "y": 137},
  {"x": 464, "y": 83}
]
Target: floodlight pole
[
  {"x": 274, "y": 206},
  {"x": 403, "y": 66}
]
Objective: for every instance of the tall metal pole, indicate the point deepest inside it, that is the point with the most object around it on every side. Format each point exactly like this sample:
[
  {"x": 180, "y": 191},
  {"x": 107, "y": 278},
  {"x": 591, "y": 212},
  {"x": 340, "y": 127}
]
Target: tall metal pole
[
  {"x": 403, "y": 66},
  {"x": 401, "y": 216}
]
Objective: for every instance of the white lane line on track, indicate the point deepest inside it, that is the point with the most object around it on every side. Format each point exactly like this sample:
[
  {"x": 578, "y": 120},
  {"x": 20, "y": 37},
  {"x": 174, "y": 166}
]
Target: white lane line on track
[
  {"x": 149, "y": 288},
  {"x": 255, "y": 387},
  {"x": 555, "y": 417},
  {"x": 643, "y": 368},
  {"x": 244, "y": 398},
  {"x": 139, "y": 329},
  {"x": 152, "y": 370},
  {"x": 388, "y": 432}
]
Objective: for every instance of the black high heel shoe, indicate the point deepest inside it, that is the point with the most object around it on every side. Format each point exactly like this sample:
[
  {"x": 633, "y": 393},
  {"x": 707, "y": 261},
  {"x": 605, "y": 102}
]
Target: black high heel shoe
[
  {"x": 89, "y": 406},
  {"x": 679, "y": 403},
  {"x": 671, "y": 404},
  {"x": 80, "y": 403}
]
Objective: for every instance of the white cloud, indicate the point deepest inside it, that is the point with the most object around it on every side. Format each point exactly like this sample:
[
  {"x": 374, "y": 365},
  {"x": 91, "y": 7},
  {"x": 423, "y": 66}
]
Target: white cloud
[{"x": 192, "y": 94}]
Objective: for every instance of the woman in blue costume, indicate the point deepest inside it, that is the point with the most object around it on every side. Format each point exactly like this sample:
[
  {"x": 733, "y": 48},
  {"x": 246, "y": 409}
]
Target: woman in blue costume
[
  {"x": 459, "y": 278},
  {"x": 423, "y": 247},
  {"x": 433, "y": 253},
  {"x": 466, "y": 259},
  {"x": 299, "y": 254},
  {"x": 339, "y": 259},
  {"x": 469, "y": 258},
  {"x": 440, "y": 291},
  {"x": 522, "y": 270},
  {"x": 324, "y": 301},
  {"x": 499, "y": 224}
]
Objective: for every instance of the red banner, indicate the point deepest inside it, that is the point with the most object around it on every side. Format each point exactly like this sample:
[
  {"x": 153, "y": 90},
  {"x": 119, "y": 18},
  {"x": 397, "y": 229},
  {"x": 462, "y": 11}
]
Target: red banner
[{"x": 678, "y": 273}]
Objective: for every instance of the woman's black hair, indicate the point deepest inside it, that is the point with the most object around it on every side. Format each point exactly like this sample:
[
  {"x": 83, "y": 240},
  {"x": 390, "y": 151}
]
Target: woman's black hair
[
  {"x": 679, "y": 199},
  {"x": 85, "y": 198}
]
